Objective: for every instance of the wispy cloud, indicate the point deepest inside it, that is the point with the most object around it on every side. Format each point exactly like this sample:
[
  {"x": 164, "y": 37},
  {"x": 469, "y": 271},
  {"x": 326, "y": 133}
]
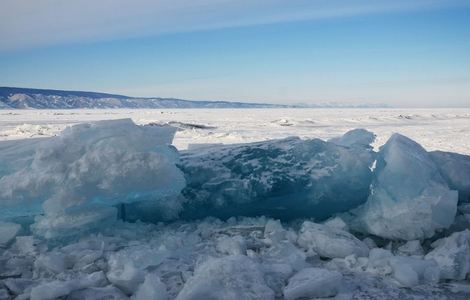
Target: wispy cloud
[{"x": 26, "y": 23}]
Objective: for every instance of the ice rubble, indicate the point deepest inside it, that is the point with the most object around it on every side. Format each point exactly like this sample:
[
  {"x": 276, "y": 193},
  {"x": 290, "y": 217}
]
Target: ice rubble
[
  {"x": 231, "y": 278},
  {"x": 8, "y": 232},
  {"x": 330, "y": 242},
  {"x": 313, "y": 283},
  {"x": 79, "y": 176},
  {"x": 452, "y": 254},
  {"x": 183, "y": 260}
]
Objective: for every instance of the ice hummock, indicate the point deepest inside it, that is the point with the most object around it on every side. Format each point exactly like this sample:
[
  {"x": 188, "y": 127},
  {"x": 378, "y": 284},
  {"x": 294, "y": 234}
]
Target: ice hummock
[
  {"x": 409, "y": 199},
  {"x": 85, "y": 169},
  {"x": 75, "y": 179},
  {"x": 285, "y": 179},
  {"x": 236, "y": 258}
]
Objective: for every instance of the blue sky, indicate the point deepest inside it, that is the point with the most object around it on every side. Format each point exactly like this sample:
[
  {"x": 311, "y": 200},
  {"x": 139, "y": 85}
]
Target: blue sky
[{"x": 403, "y": 53}]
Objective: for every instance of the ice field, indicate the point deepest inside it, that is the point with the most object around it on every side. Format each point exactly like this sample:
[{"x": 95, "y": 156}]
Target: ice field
[
  {"x": 435, "y": 129},
  {"x": 248, "y": 204}
]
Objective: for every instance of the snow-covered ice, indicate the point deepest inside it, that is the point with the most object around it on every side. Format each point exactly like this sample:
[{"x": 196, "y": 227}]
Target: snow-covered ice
[{"x": 54, "y": 244}]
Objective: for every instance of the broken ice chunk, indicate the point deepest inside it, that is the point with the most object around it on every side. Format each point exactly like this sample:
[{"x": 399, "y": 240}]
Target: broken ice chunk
[
  {"x": 410, "y": 271},
  {"x": 127, "y": 266},
  {"x": 8, "y": 232},
  {"x": 313, "y": 283},
  {"x": 274, "y": 232},
  {"x": 455, "y": 168},
  {"x": 355, "y": 138},
  {"x": 77, "y": 219},
  {"x": 452, "y": 254},
  {"x": 329, "y": 241},
  {"x": 409, "y": 199},
  {"x": 337, "y": 223},
  {"x": 54, "y": 262},
  {"x": 286, "y": 179},
  {"x": 230, "y": 278},
  {"x": 151, "y": 289},
  {"x": 411, "y": 248},
  {"x": 98, "y": 293},
  {"x": 127, "y": 279},
  {"x": 235, "y": 245},
  {"x": 104, "y": 163},
  {"x": 56, "y": 289}
]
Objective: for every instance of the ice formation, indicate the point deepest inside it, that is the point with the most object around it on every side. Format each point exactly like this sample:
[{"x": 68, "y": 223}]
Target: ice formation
[
  {"x": 8, "y": 232},
  {"x": 152, "y": 288},
  {"x": 313, "y": 283},
  {"x": 285, "y": 179},
  {"x": 60, "y": 288},
  {"x": 455, "y": 169},
  {"x": 409, "y": 199},
  {"x": 452, "y": 254},
  {"x": 72, "y": 183},
  {"x": 73, "y": 176},
  {"x": 231, "y": 278},
  {"x": 329, "y": 241}
]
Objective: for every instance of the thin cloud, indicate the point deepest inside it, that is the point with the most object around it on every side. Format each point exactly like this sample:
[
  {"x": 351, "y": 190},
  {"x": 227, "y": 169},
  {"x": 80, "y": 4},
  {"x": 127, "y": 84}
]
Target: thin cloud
[{"x": 26, "y": 24}]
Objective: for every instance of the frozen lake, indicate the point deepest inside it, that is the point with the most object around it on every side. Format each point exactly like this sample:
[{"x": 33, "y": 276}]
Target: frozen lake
[{"x": 443, "y": 129}]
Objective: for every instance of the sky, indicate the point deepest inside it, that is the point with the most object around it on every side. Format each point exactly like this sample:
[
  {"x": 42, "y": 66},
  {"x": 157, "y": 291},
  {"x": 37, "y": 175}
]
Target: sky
[{"x": 400, "y": 53}]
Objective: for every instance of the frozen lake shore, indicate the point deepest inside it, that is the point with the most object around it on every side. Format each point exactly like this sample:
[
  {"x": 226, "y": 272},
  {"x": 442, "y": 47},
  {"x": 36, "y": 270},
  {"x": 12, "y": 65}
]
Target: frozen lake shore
[{"x": 357, "y": 222}]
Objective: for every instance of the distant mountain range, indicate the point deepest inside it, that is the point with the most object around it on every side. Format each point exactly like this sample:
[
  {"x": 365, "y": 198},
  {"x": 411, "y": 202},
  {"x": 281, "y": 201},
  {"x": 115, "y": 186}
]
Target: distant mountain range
[{"x": 24, "y": 98}]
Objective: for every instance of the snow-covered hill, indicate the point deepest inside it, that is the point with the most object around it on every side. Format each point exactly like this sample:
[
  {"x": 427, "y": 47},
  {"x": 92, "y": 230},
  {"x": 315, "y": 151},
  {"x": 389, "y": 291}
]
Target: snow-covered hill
[
  {"x": 58, "y": 99},
  {"x": 21, "y": 98}
]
